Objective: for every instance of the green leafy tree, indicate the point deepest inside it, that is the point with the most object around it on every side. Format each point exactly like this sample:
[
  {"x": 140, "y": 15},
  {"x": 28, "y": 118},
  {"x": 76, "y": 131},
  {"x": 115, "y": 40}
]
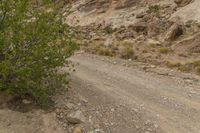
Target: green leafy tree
[{"x": 34, "y": 45}]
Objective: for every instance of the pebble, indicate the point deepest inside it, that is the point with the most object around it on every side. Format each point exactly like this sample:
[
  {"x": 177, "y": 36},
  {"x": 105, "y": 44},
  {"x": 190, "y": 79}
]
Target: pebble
[
  {"x": 137, "y": 127},
  {"x": 136, "y": 110},
  {"x": 156, "y": 126},
  {"x": 149, "y": 129},
  {"x": 97, "y": 130},
  {"x": 147, "y": 122},
  {"x": 112, "y": 110},
  {"x": 84, "y": 100},
  {"x": 77, "y": 130},
  {"x": 76, "y": 117},
  {"x": 70, "y": 105},
  {"x": 130, "y": 60},
  {"x": 25, "y": 101}
]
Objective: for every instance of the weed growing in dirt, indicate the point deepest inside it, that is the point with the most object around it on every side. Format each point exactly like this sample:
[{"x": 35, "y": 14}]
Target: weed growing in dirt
[
  {"x": 154, "y": 8},
  {"x": 104, "y": 51},
  {"x": 164, "y": 50},
  {"x": 187, "y": 67},
  {"x": 110, "y": 30},
  {"x": 126, "y": 50}
]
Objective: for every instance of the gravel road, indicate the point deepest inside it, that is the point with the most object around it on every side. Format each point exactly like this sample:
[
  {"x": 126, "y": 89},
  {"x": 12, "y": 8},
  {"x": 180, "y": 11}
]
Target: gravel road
[{"x": 131, "y": 100}]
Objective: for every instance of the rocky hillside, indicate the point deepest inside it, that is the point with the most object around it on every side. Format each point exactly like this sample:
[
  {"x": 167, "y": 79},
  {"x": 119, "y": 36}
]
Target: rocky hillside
[{"x": 162, "y": 32}]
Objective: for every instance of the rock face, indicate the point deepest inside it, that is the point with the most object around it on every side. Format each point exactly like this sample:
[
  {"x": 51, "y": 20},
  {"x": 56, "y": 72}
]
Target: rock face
[
  {"x": 189, "y": 12},
  {"x": 126, "y": 3},
  {"x": 174, "y": 32},
  {"x": 182, "y": 3},
  {"x": 100, "y": 11},
  {"x": 95, "y": 5},
  {"x": 191, "y": 44},
  {"x": 152, "y": 27},
  {"x": 140, "y": 27}
]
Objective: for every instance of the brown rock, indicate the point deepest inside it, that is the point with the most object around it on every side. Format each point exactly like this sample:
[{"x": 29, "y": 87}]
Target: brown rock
[
  {"x": 76, "y": 117},
  {"x": 174, "y": 32},
  {"x": 182, "y": 3},
  {"x": 140, "y": 27},
  {"x": 140, "y": 15},
  {"x": 77, "y": 130}
]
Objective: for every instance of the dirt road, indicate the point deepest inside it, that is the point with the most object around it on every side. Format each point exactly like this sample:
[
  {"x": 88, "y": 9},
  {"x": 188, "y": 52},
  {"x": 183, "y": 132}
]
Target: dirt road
[
  {"x": 131, "y": 100},
  {"x": 116, "y": 96}
]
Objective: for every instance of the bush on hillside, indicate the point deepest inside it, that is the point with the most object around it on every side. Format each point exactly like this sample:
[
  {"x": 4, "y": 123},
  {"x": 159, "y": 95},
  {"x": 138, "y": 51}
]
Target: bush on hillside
[{"x": 34, "y": 44}]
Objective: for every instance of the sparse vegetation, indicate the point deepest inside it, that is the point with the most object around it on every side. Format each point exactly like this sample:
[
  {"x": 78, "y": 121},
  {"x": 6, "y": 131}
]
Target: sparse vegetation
[
  {"x": 154, "y": 8},
  {"x": 109, "y": 29},
  {"x": 196, "y": 65},
  {"x": 103, "y": 51},
  {"x": 164, "y": 50},
  {"x": 198, "y": 70},
  {"x": 173, "y": 64},
  {"x": 152, "y": 45},
  {"x": 187, "y": 67},
  {"x": 184, "y": 68},
  {"x": 127, "y": 51}
]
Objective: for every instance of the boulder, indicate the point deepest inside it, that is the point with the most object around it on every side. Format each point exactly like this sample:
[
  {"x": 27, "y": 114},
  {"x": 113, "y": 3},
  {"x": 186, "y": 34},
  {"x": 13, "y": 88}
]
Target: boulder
[
  {"x": 140, "y": 27},
  {"x": 174, "y": 32},
  {"x": 189, "y": 12},
  {"x": 140, "y": 15},
  {"x": 76, "y": 117},
  {"x": 153, "y": 42}
]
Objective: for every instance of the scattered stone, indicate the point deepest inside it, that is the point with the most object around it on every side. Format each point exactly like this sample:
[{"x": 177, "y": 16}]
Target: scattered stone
[
  {"x": 147, "y": 122},
  {"x": 149, "y": 129},
  {"x": 76, "y": 117},
  {"x": 70, "y": 105},
  {"x": 155, "y": 125},
  {"x": 25, "y": 101},
  {"x": 140, "y": 15},
  {"x": 77, "y": 130},
  {"x": 190, "y": 95},
  {"x": 153, "y": 66},
  {"x": 90, "y": 119},
  {"x": 130, "y": 60},
  {"x": 84, "y": 100},
  {"x": 97, "y": 130},
  {"x": 64, "y": 125},
  {"x": 112, "y": 110},
  {"x": 137, "y": 127},
  {"x": 135, "y": 110},
  {"x": 192, "y": 92},
  {"x": 153, "y": 42}
]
